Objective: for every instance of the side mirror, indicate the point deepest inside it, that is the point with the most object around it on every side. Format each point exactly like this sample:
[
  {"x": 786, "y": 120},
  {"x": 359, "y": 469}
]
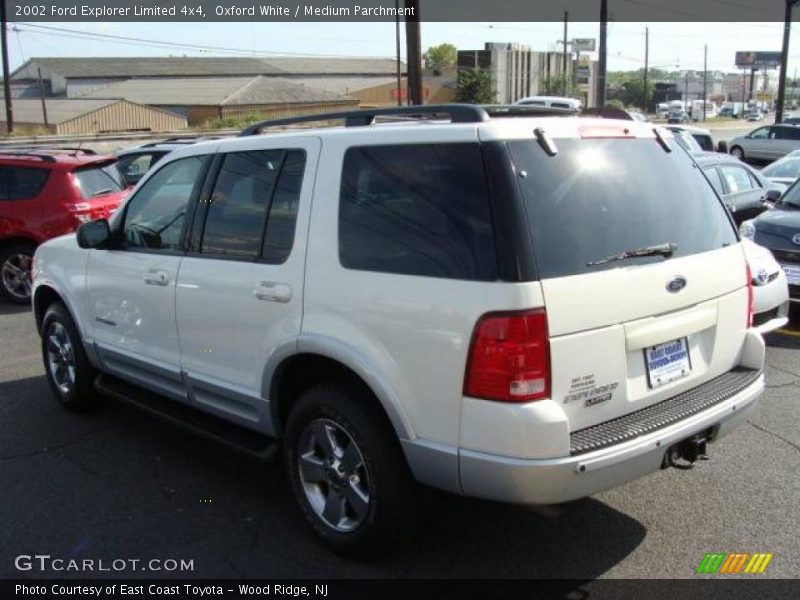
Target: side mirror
[
  {"x": 722, "y": 146},
  {"x": 94, "y": 234},
  {"x": 772, "y": 196}
]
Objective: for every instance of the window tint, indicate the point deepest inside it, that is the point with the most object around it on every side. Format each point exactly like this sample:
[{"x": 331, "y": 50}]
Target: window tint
[
  {"x": 98, "y": 179},
  {"x": 19, "y": 183},
  {"x": 417, "y": 210},
  {"x": 714, "y": 179},
  {"x": 787, "y": 133},
  {"x": 155, "y": 215},
  {"x": 283, "y": 209},
  {"x": 583, "y": 204},
  {"x": 134, "y": 166},
  {"x": 238, "y": 206},
  {"x": 705, "y": 141},
  {"x": 736, "y": 178},
  {"x": 559, "y": 104}
]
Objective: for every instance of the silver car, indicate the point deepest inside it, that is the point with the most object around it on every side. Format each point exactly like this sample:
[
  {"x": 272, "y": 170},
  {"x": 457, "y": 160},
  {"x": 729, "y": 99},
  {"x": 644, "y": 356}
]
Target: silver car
[{"x": 766, "y": 143}]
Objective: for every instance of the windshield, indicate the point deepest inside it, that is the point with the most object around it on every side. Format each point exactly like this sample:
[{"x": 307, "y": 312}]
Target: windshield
[
  {"x": 97, "y": 180},
  {"x": 791, "y": 197},
  {"x": 590, "y": 202},
  {"x": 787, "y": 167}
]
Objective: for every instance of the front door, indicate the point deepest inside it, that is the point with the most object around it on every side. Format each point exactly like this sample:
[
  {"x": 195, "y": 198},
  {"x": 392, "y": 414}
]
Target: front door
[
  {"x": 132, "y": 285},
  {"x": 240, "y": 288}
]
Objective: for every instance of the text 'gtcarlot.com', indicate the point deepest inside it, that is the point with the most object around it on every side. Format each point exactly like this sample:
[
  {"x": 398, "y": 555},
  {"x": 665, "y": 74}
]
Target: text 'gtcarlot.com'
[{"x": 45, "y": 562}]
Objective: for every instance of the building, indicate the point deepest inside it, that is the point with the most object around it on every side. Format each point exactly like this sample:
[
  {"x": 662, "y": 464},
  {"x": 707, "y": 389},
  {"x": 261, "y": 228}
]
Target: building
[
  {"x": 382, "y": 91},
  {"x": 517, "y": 71},
  {"x": 72, "y": 77},
  {"x": 68, "y": 116},
  {"x": 202, "y": 99}
]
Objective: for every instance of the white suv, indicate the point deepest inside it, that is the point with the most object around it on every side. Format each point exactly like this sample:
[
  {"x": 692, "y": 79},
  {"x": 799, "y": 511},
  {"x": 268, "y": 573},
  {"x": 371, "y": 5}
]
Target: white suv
[{"x": 522, "y": 308}]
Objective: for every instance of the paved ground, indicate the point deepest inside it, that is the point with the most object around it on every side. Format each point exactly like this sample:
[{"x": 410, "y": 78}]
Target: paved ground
[{"x": 118, "y": 484}]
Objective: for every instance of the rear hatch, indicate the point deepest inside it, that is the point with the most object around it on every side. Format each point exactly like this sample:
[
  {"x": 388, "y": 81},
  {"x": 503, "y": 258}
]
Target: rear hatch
[
  {"x": 101, "y": 189},
  {"x": 627, "y": 332}
]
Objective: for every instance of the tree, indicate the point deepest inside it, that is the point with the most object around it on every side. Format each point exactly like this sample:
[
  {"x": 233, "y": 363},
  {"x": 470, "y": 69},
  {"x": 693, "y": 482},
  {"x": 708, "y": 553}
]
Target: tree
[
  {"x": 475, "y": 86},
  {"x": 632, "y": 93},
  {"x": 559, "y": 85},
  {"x": 441, "y": 57}
]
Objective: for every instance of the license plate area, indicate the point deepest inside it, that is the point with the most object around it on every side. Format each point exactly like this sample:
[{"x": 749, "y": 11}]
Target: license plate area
[{"x": 667, "y": 362}]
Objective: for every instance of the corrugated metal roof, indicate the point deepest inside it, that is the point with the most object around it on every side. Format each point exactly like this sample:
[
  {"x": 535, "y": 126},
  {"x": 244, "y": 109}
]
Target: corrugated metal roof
[
  {"x": 209, "y": 66},
  {"x": 350, "y": 85},
  {"x": 213, "y": 91},
  {"x": 58, "y": 111}
]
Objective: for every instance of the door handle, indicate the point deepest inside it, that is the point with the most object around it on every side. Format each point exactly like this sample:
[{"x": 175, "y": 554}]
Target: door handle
[
  {"x": 156, "y": 277},
  {"x": 272, "y": 291}
]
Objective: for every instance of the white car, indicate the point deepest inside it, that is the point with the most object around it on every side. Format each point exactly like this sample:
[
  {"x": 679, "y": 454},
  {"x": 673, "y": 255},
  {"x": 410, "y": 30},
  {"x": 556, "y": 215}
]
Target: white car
[
  {"x": 770, "y": 288},
  {"x": 528, "y": 309}
]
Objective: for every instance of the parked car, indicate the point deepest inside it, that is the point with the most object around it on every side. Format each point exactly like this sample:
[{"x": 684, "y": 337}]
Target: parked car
[
  {"x": 685, "y": 140},
  {"x": 701, "y": 136},
  {"x": 767, "y": 143},
  {"x": 493, "y": 306},
  {"x": 133, "y": 163},
  {"x": 45, "y": 193},
  {"x": 678, "y": 116},
  {"x": 770, "y": 288},
  {"x": 791, "y": 120},
  {"x": 550, "y": 101},
  {"x": 784, "y": 170},
  {"x": 778, "y": 229},
  {"x": 755, "y": 116},
  {"x": 744, "y": 190}
]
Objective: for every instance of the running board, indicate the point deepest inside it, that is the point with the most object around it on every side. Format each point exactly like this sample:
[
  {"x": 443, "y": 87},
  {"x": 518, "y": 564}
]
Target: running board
[{"x": 218, "y": 430}]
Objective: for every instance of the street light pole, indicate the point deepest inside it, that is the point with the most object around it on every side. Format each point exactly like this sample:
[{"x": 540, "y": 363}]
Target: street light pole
[
  {"x": 787, "y": 29},
  {"x": 705, "y": 75},
  {"x": 6, "y": 76},
  {"x": 600, "y": 92},
  {"x": 646, "y": 65}
]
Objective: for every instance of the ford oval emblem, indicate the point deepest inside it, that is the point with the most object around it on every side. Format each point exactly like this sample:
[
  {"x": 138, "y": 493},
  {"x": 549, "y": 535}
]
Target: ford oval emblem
[
  {"x": 676, "y": 284},
  {"x": 796, "y": 239}
]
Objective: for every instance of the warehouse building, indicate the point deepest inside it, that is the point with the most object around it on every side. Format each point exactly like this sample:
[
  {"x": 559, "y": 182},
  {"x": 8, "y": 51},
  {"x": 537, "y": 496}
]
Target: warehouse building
[
  {"x": 67, "y": 116},
  {"x": 203, "y": 99}
]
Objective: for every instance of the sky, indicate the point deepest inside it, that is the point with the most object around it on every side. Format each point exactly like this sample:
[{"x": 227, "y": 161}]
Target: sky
[{"x": 672, "y": 45}]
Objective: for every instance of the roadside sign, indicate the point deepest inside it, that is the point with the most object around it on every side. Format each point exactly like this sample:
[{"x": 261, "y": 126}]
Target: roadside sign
[
  {"x": 583, "y": 44},
  {"x": 758, "y": 59}
]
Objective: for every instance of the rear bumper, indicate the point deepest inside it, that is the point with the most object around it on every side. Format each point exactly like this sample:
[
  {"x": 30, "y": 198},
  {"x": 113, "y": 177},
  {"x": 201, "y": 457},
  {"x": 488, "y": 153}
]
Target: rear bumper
[{"x": 550, "y": 481}]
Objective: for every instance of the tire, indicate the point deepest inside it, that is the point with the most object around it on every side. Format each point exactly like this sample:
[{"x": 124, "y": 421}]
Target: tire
[
  {"x": 737, "y": 152},
  {"x": 15, "y": 273},
  {"x": 355, "y": 489},
  {"x": 69, "y": 372}
]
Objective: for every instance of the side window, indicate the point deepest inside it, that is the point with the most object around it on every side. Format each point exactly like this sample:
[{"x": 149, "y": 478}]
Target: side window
[
  {"x": 714, "y": 179},
  {"x": 155, "y": 215},
  {"x": 418, "y": 209},
  {"x": 134, "y": 166},
  {"x": 760, "y": 134},
  {"x": 21, "y": 183},
  {"x": 256, "y": 195},
  {"x": 736, "y": 178}
]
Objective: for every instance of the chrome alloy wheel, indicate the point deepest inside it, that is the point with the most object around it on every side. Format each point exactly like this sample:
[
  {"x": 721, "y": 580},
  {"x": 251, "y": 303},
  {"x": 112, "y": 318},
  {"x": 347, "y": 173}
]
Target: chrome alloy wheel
[
  {"x": 334, "y": 475},
  {"x": 16, "y": 275},
  {"x": 60, "y": 358}
]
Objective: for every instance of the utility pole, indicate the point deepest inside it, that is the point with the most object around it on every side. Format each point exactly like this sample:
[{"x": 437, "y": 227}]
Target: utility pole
[
  {"x": 41, "y": 95},
  {"x": 646, "y": 64},
  {"x": 413, "y": 54},
  {"x": 6, "y": 78},
  {"x": 566, "y": 20},
  {"x": 705, "y": 75},
  {"x": 600, "y": 91},
  {"x": 397, "y": 46},
  {"x": 787, "y": 29}
]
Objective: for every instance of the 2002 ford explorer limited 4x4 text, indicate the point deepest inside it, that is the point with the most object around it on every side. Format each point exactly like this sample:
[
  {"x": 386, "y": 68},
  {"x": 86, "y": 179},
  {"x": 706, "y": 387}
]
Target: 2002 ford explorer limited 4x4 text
[{"x": 521, "y": 308}]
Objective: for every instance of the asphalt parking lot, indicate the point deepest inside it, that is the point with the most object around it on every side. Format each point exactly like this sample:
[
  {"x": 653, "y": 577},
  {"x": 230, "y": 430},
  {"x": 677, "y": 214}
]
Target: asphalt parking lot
[{"x": 119, "y": 484}]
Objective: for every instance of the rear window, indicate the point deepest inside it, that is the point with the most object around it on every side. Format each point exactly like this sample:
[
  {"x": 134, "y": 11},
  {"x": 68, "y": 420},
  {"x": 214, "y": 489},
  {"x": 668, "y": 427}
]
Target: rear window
[
  {"x": 419, "y": 209},
  {"x": 96, "y": 180},
  {"x": 19, "y": 183},
  {"x": 786, "y": 167},
  {"x": 705, "y": 141},
  {"x": 599, "y": 197}
]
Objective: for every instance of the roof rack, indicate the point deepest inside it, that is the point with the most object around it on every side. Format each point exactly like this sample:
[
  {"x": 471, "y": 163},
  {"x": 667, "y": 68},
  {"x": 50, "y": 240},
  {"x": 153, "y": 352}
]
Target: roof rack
[
  {"x": 458, "y": 113},
  {"x": 43, "y": 150},
  {"x": 193, "y": 139}
]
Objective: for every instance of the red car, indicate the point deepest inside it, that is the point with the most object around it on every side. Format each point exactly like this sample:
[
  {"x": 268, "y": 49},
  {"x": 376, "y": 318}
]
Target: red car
[{"x": 45, "y": 193}]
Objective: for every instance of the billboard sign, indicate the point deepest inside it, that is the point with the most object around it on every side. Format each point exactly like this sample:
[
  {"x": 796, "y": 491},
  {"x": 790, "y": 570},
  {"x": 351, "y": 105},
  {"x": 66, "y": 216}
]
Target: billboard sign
[
  {"x": 583, "y": 44},
  {"x": 758, "y": 60}
]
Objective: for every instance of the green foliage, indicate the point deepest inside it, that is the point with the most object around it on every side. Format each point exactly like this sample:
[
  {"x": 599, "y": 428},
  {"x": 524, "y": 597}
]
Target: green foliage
[
  {"x": 632, "y": 93},
  {"x": 615, "y": 104},
  {"x": 475, "y": 86},
  {"x": 441, "y": 57},
  {"x": 559, "y": 85},
  {"x": 233, "y": 122}
]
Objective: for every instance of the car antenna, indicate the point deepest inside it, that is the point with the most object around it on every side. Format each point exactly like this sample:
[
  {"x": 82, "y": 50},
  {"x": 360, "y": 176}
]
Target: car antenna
[{"x": 78, "y": 149}]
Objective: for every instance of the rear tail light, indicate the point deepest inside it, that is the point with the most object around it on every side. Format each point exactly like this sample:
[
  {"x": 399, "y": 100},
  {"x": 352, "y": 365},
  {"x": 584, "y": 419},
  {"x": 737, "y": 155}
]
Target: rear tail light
[
  {"x": 81, "y": 211},
  {"x": 509, "y": 358},
  {"x": 749, "y": 296}
]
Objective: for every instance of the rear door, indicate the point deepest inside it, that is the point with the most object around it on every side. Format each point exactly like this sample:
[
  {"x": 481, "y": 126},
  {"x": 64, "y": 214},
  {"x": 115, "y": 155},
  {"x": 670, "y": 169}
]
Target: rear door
[
  {"x": 628, "y": 333},
  {"x": 758, "y": 142},
  {"x": 743, "y": 193},
  {"x": 788, "y": 140},
  {"x": 240, "y": 288}
]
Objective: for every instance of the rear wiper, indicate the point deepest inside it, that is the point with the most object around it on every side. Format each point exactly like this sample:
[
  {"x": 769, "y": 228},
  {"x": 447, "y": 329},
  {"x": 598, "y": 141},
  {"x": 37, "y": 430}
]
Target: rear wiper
[
  {"x": 665, "y": 250},
  {"x": 101, "y": 192}
]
